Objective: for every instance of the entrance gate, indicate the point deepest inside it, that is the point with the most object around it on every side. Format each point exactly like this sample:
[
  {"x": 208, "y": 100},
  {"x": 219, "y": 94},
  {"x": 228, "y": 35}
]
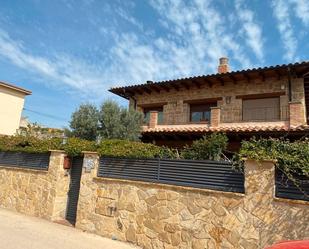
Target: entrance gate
[{"x": 73, "y": 194}]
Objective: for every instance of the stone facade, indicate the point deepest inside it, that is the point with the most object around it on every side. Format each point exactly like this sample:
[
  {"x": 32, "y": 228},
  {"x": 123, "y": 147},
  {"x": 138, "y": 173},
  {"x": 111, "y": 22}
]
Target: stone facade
[
  {"x": 176, "y": 110},
  {"x": 169, "y": 217},
  {"x": 36, "y": 192}
]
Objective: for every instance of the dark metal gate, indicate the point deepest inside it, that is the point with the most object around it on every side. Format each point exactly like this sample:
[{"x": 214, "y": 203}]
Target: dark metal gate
[{"x": 73, "y": 194}]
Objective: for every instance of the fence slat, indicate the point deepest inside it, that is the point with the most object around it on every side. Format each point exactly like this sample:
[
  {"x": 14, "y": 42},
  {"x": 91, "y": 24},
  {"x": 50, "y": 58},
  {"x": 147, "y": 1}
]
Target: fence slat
[
  {"x": 285, "y": 188},
  {"x": 200, "y": 174},
  {"x": 38, "y": 161}
]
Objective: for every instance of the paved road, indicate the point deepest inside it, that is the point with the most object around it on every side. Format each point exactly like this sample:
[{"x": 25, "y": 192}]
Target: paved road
[{"x": 23, "y": 232}]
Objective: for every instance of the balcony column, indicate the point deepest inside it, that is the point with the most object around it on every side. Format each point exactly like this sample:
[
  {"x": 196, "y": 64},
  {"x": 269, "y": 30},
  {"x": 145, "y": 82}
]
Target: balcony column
[
  {"x": 296, "y": 114},
  {"x": 215, "y": 113},
  {"x": 153, "y": 120}
]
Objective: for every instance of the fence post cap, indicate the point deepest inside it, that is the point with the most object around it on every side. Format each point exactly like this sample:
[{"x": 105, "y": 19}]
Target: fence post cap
[
  {"x": 90, "y": 152},
  {"x": 260, "y": 161},
  {"x": 59, "y": 151}
]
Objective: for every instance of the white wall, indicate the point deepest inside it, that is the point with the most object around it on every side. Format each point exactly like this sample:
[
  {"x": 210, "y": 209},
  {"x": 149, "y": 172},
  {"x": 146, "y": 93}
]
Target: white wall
[{"x": 11, "y": 106}]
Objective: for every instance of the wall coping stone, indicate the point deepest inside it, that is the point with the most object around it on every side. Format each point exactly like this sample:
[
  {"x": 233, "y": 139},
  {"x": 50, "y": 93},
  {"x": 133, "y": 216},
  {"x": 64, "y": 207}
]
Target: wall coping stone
[
  {"x": 57, "y": 151},
  {"x": 42, "y": 171},
  {"x": 262, "y": 161},
  {"x": 295, "y": 102},
  {"x": 90, "y": 152},
  {"x": 291, "y": 201},
  {"x": 170, "y": 187}
]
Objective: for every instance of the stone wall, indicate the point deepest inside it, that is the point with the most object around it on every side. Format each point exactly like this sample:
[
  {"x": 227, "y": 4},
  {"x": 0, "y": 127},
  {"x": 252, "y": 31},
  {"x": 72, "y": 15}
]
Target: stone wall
[
  {"x": 36, "y": 192},
  {"x": 165, "y": 216},
  {"x": 177, "y": 111}
]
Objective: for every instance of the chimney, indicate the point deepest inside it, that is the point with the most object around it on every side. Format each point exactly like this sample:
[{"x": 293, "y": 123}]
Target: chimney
[{"x": 223, "y": 65}]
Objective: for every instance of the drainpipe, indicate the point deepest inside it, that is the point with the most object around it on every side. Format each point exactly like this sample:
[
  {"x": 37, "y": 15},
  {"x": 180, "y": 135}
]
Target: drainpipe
[{"x": 290, "y": 84}]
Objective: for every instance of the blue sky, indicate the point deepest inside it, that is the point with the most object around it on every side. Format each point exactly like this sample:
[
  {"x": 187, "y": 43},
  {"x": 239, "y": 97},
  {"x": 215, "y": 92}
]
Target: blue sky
[{"x": 72, "y": 51}]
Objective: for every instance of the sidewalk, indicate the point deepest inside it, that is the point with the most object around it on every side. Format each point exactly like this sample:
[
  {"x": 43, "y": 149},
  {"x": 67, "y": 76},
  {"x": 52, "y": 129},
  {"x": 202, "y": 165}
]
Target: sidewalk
[{"x": 18, "y": 231}]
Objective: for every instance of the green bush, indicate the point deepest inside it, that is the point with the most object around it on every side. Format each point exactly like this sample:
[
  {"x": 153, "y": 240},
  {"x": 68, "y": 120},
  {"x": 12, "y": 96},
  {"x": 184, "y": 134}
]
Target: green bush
[
  {"x": 75, "y": 146},
  {"x": 291, "y": 157},
  {"x": 28, "y": 144},
  {"x": 129, "y": 149},
  {"x": 210, "y": 147}
]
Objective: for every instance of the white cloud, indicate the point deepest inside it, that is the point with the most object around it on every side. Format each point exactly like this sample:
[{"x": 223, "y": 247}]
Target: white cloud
[
  {"x": 302, "y": 10},
  {"x": 60, "y": 69},
  {"x": 252, "y": 31},
  {"x": 281, "y": 10}
]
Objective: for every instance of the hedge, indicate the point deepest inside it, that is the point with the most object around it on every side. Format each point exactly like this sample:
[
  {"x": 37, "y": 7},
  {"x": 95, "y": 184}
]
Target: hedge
[{"x": 75, "y": 147}]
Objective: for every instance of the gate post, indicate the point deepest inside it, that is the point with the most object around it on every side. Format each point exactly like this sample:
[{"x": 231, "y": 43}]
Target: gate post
[
  {"x": 87, "y": 196},
  {"x": 60, "y": 183}
]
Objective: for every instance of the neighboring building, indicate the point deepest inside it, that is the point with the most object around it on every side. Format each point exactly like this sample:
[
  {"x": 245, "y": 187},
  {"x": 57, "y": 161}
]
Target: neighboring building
[
  {"x": 11, "y": 105},
  {"x": 270, "y": 101}
]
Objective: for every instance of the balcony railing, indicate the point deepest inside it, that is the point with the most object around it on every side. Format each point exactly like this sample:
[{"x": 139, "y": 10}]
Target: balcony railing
[{"x": 255, "y": 114}]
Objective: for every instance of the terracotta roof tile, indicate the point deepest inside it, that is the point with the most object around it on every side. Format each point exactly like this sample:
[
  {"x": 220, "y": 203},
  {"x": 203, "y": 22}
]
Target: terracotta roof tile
[{"x": 242, "y": 128}]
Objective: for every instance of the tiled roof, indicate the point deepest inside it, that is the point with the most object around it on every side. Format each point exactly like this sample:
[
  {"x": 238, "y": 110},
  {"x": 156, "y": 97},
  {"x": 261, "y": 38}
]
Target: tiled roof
[
  {"x": 229, "y": 129},
  {"x": 122, "y": 90}
]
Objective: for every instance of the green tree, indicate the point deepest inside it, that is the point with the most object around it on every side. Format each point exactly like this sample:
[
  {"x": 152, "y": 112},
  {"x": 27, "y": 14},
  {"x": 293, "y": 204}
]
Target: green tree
[
  {"x": 84, "y": 122},
  {"x": 119, "y": 123}
]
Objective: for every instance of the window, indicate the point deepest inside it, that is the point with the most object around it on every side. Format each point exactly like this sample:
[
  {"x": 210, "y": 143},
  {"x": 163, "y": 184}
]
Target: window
[
  {"x": 200, "y": 112},
  {"x": 147, "y": 114},
  {"x": 265, "y": 109}
]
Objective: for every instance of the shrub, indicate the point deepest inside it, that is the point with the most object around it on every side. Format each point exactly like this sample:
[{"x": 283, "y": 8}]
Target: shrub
[
  {"x": 28, "y": 144},
  {"x": 292, "y": 157},
  {"x": 209, "y": 147},
  {"x": 129, "y": 149},
  {"x": 75, "y": 146}
]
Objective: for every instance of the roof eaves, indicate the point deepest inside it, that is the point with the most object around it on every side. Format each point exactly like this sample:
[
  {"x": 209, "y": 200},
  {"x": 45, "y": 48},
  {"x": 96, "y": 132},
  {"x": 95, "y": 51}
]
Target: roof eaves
[{"x": 16, "y": 88}]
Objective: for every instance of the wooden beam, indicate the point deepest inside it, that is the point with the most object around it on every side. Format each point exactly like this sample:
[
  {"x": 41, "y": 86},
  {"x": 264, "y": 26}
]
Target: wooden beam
[
  {"x": 185, "y": 84},
  {"x": 146, "y": 89},
  {"x": 197, "y": 84},
  {"x": 232, "y": 77},
  {"x": 260, "y": 95},
  {"x": 157, "y": 89},
  {"x": 208, "y": 82},
  {"x": 220, "y": 80},
  {"x": 278, "y": 74},
  {"x": 200, "y": 101},
  {"x": 175, "y": 86},
  {"x": 166, "y": 88},
  {"x": 158, "y": 104},
  {"x": 139, "y": 91},
  {"x": 262, "y": 75},
  {"x": 246, "y": 76}
]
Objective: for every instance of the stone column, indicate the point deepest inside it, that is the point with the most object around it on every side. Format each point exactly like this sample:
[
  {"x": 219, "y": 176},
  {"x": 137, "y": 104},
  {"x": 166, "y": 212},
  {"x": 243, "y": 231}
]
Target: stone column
[
  {"x": 87, "y": 193},
  {"x": 60, "y": 182},
  {"x": 153, "y": 121},
  {"x": 260, "y": 177},
  {"x": 259, "y": 201},
  {"x": 297, "y": 114},
  {"x": 215, "y": 113}
]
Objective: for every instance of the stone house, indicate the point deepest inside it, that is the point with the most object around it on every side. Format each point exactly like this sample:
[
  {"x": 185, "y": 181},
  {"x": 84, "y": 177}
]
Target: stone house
[
  {"x": 269, "y": 101},
  {"x": 12, "y": 100}
]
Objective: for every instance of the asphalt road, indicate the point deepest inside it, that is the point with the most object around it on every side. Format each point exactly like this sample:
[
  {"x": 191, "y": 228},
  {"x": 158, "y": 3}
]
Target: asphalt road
[{"x": 18, "y": 231}]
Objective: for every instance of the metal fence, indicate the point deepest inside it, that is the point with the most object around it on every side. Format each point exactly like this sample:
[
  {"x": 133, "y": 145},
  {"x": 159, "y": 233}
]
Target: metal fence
[
  {"x": 200, "y": 174},
  {"x": 286, "y": 188},
  {"x": 38, "y": 161}
]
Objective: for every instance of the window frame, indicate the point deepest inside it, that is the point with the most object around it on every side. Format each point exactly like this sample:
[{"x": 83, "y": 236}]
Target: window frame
[
  {"x": 203, "y": 108},
  {"x": 148, "y": 109}
]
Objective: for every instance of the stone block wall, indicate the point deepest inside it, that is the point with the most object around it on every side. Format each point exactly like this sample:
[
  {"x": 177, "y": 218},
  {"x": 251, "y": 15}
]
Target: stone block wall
[
  {"x": 36, "y": 192},
  {"x": 169, "y": 217},
  {"x": 176, "y": 110}
]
